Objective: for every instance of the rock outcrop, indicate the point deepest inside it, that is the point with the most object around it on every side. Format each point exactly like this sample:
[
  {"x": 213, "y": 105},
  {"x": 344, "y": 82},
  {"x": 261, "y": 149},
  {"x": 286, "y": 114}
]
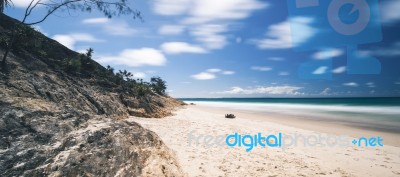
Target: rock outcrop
[{"x": 53, "y": 123}]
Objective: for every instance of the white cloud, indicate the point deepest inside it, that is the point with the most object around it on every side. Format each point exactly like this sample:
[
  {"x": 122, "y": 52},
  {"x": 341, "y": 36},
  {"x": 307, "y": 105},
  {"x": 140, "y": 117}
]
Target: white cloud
[
  {"x": 203, "y": 11},
  {"x": 65, "y": 40},
  {"x": 84, "y": 37},
  {"x": 181, "y": 47},
  {"x": 136, "y": 57},
  {"x": 261, "y": 68},
  {"x": 82, "y": 49},
  {"x": 207, "y": 20},
  {"x": 228, "y": 72},
  {"x": 327, "y": 54},
  {"x": 279, "y": 36},
  {"x": 390, "y": 11},
  {"x": 119, "y": 29},
  {"x": 304, "y": 30},
  {"x": 238, "y": 40},
  {"x": 214, "y": 70},
  {"x": 139, "y": 75},
  {"x": 69, "y": 40},
  {"x": 95, "y": 21},
  {"x": 171, "y": 29},
  {"x": 351, "y": 84},
  {"x": 274, "y": 90},
  {"x": 168, "y": 7},
  {"x": 116, "y": 28},
  {"x": 391, "y": 51},
  {"x": 339, "y": 70},
  {"x": 204, "y": 76},
  {"x": 326, "y": 91},
  {"x": 151, "y": 71},
  {"x": 284, "y": 73},
  {"x": 211, "y": 74},
  {"x": 24, "y": 3},
  {"x": 370, "y": 84},
  {"x": 320, "y": 70},
  {"x": 210, "y": 35},
  {"x": 276, "y": 59}
]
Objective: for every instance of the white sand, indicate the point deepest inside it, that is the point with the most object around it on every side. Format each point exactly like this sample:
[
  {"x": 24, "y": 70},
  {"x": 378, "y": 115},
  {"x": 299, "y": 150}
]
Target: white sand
[{"x": 202, "y": 160}]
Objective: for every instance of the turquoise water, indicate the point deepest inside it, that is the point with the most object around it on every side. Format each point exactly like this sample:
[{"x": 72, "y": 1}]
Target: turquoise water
[
  {"x": 319, "y": 101},
  {"x": 375, "y": 113}
]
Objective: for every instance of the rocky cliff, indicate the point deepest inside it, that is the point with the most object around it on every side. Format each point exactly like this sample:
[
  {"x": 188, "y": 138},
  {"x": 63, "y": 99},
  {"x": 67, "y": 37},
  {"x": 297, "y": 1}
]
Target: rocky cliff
[{"x": 57, "y": 123}]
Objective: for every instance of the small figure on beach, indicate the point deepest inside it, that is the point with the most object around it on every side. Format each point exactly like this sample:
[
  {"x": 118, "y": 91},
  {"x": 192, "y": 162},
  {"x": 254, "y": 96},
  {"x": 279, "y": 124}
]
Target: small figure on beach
[{"x": 230, "y": 116}]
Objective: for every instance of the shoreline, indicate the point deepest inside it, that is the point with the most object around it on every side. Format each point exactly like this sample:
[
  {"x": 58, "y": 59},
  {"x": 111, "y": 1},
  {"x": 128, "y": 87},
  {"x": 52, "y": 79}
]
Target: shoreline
[
  {"x": 197, "y": 158},
  {"x": 329, "y": 126}
]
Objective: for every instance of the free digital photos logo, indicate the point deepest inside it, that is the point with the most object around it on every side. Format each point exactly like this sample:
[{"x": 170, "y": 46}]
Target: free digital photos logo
[
  {"x": 281, "y": 140},
  {"x": 335, "y": 24}
]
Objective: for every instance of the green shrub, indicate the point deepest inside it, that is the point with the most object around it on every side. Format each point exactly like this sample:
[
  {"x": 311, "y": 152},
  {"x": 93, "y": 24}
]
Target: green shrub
[
  {"x": 73, "y": 65},
  {"x": 88, "y": 66},
  {"x": 142, "y": 89},
  {"x": 158, "y": 85}
]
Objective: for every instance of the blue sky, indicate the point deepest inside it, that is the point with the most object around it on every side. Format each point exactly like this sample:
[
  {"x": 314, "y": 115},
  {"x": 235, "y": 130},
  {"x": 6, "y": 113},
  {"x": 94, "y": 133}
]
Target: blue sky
[{"x": 233, "y": 48}]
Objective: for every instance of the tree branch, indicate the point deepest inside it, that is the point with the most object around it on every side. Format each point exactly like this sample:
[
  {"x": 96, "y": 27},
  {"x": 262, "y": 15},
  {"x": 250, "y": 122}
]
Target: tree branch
[
  {"x": 30, "y": 11},
  {"x": 52, "y": 11},
  {"x": 27, "y": 10}
]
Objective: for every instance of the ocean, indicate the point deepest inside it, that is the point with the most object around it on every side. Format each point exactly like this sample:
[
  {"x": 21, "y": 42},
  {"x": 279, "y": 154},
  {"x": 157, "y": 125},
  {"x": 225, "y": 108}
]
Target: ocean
[{"x": 376, "y": 113}]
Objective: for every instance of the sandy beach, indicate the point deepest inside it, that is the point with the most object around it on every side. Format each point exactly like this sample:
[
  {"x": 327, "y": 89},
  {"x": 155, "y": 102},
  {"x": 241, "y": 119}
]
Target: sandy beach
[{"x": 188, "y": 133}]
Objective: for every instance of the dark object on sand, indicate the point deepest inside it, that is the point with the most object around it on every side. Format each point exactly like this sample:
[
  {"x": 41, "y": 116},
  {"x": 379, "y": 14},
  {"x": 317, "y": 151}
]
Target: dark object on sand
[
  {"x": 230, "y": 116},
  {"x": 192, "y": 104}
]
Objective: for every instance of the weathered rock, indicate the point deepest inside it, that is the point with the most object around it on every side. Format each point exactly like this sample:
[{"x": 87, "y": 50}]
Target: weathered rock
[{"x": 38, "y": 144}]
